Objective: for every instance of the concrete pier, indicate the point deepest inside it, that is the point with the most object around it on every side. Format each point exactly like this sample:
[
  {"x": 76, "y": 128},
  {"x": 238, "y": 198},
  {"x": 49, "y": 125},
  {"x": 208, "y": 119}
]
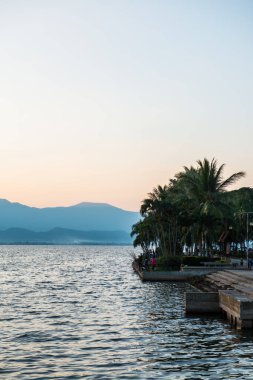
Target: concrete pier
[
  {"x": 233, "y": 297},
  {"x": 238, "y": 308},
  {"x": 186, "y": 274},
  {"x": 202, "y": 303},
  {"x": 221, "y": 291}
]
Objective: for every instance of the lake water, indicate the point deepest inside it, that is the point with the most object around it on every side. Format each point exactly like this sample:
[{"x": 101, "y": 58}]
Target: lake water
[{"x": 78, "y": 312}]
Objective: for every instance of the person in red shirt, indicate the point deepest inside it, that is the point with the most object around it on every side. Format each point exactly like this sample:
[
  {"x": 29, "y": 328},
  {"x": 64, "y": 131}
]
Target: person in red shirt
[{"x": 153, "y": 263}]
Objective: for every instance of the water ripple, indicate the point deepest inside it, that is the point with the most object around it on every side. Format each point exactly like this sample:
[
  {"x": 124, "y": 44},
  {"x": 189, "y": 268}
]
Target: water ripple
[{"x": 81, "y": 313}]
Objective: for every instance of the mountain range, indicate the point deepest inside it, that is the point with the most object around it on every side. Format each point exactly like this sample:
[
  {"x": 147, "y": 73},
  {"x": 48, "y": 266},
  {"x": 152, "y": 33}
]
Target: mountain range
[{"x": 84, "y": 223}]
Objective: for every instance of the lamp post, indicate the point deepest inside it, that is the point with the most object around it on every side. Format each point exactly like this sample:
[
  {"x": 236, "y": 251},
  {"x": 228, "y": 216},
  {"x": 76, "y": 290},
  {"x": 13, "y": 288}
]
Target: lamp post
[{"x": 247, "y": 229}]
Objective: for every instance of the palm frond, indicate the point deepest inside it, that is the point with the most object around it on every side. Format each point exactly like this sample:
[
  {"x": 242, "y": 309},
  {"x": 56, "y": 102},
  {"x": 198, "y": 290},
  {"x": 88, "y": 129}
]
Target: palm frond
[{"x": 230, "y": 180}]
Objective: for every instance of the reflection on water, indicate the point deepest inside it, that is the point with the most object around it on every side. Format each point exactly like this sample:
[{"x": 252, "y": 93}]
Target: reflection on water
[{"x": 80, "y": 313}]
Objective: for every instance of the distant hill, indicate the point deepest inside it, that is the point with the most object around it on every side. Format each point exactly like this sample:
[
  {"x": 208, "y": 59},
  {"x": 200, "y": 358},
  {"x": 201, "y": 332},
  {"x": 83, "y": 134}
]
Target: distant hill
[
  {"x": 84, "y": 222},
  {"x": 83, "y": 217},
  {"x": 63, "y": 236}
]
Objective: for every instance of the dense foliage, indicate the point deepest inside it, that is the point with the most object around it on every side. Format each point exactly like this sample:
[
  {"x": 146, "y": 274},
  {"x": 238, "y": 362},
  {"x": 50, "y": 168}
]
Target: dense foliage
[{"x": 196, "y": 213}]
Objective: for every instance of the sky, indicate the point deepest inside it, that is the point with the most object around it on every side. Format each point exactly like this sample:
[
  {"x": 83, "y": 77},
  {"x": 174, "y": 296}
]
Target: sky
[{"x": 102, "y": 100}]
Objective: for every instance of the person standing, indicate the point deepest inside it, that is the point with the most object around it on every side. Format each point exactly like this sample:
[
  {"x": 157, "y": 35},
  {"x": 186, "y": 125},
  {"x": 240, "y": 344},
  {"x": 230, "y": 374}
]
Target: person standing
[{"x": 153, "y": 262}]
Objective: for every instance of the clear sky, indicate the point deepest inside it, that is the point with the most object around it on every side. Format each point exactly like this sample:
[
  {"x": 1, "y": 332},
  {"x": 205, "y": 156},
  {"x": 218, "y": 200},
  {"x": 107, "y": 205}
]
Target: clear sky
[{"x": 102, "y": 100}]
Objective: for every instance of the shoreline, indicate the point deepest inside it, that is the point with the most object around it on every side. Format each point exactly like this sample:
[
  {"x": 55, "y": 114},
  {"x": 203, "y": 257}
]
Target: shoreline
[{"x": 224, "y": 291}]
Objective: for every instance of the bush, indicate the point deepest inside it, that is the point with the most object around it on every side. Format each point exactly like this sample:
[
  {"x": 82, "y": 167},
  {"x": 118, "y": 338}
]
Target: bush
[
  {"x": 174, "y": 262},
  {"x": 169, "y": 263},
  {"x": 196, "y": 261}
]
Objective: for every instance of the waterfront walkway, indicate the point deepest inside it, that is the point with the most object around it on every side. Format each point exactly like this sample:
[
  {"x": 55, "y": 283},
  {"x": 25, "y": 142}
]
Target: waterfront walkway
[
  {"x": 229, "y": 292},
  {"x": 240, "y": 280},
  {"x": 215, "y": 290}
]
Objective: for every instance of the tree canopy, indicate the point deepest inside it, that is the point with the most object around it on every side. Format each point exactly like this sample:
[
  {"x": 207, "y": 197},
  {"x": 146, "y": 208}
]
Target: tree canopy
[{"x": 194, "y": 210}]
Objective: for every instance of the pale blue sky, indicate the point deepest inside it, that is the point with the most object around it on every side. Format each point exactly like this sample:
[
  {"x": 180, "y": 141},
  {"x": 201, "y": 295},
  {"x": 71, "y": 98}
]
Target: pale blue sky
[{"x": 103, "y": 100}]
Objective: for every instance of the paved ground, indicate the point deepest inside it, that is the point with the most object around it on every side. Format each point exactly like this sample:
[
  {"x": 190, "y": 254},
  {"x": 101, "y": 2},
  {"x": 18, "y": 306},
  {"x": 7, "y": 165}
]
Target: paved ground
[{"x": 244, "y": 273}]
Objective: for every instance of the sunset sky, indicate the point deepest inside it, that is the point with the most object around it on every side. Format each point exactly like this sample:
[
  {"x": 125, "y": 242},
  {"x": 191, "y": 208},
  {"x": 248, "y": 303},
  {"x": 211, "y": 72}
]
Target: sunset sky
[{"x": 102, "y": 100}]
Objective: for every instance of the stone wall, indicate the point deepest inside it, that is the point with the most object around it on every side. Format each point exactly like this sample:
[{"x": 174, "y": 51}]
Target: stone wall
[{"x": 198, "y": 302}]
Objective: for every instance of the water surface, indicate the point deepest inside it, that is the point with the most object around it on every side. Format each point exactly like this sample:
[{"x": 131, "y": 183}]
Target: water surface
[{"x": 78, "y": 312}]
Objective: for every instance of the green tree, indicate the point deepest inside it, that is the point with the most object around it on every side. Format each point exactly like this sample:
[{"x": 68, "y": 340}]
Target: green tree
[
  {"x": 203, "y": 187},
  {"x": 193, "y": 209}
]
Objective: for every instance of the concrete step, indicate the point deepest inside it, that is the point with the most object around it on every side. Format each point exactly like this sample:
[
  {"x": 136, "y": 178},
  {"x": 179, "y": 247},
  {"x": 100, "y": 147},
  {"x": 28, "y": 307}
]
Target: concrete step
[
  {"x": 230, "y": 281},
  {"x": 242, "y": 283},
  {"x": 247, "y": 290},
  {"x": 219, "y": 279},
  {"x": 227, "y": 277},
  {"x": 246, "y": 276},
  {"x": 231, "y": 277}
]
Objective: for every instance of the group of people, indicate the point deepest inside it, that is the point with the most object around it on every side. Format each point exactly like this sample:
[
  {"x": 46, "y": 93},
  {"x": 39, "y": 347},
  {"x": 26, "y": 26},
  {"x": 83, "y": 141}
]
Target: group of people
[
  {"x": 150, "y": 260},
  {"x": 249, "y": 263}
]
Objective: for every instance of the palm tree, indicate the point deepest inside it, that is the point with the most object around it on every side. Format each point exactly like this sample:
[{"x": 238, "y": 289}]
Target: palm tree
[
  {"x": 154, "y": 209},
  {"x": 160, "y": 207},
  {"x": 241, "y": 202},
  {"x": 202, "y": 188},
  {"x": 193, "y": 209},
  {"x": 144, "y": 233}
]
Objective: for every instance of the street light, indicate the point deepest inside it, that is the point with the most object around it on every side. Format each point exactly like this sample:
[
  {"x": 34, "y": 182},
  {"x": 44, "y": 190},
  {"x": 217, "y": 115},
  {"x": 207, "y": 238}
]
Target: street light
[{"x": 247, "y": 214}]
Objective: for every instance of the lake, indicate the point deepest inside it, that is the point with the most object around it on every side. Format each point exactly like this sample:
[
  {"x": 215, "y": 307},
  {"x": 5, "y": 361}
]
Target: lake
[{"x": 80, "y": 312}]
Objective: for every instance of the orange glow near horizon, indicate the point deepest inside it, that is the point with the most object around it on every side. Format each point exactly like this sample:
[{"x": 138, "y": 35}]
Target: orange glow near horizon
[{"x": 100, "y": 102}]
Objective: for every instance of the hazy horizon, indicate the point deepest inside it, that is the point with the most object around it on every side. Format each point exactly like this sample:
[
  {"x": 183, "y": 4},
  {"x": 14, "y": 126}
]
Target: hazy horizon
[
  {"x": 103, "y": 101},
  {"x": 68, "y": 205}
]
